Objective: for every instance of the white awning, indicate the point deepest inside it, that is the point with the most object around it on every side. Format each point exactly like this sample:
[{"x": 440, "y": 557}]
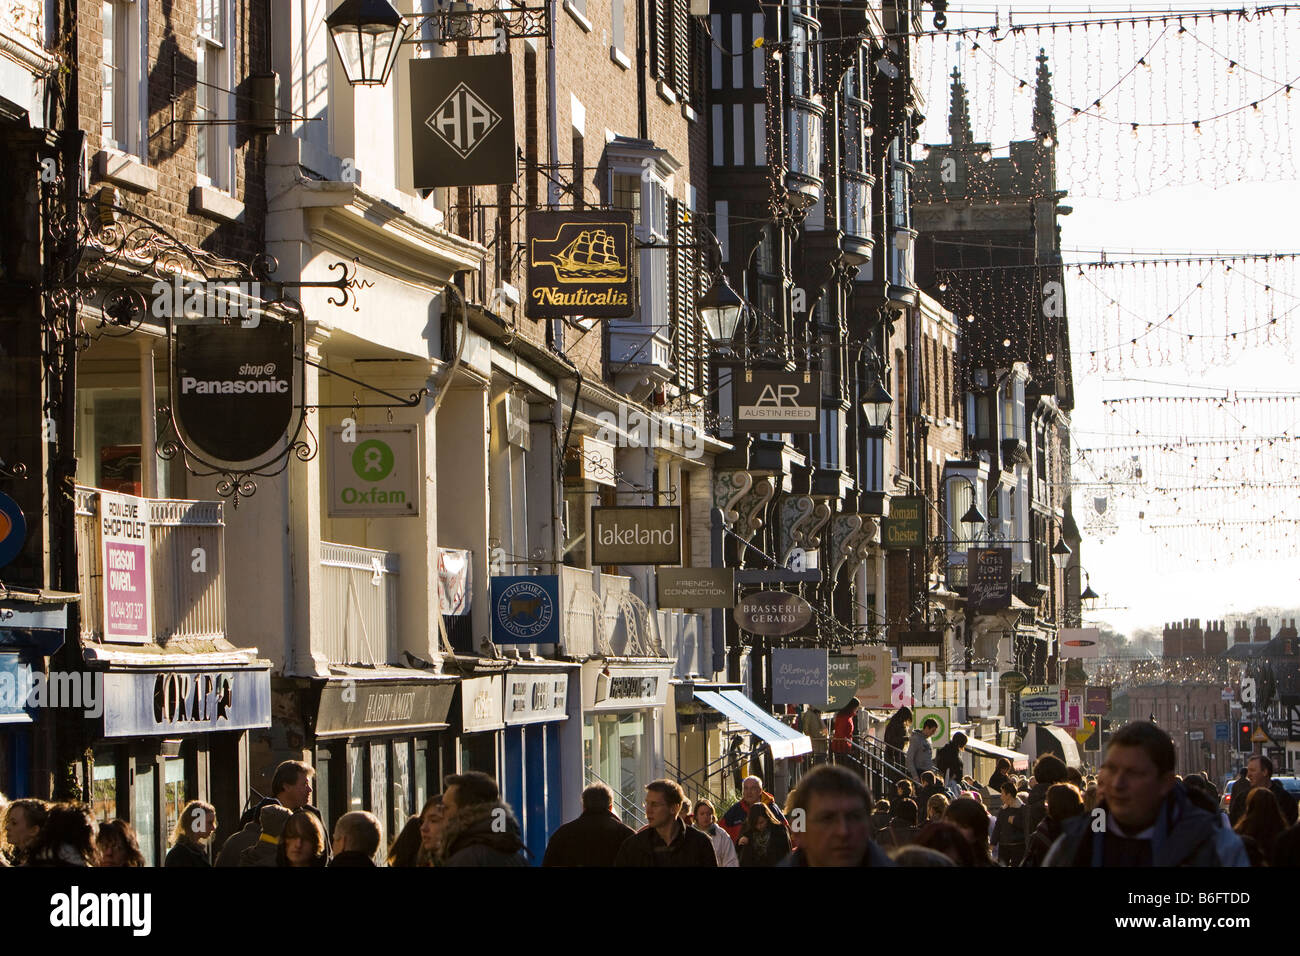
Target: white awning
[
  {"x": 1018, "y": 760},
  {"x": 785, "y": 741}
]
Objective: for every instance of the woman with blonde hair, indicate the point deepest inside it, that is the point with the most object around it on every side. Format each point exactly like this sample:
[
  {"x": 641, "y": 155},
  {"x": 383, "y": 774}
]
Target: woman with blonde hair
[
  {"x": 197, "y": 822},
  {"x": 303, "y": 842}
]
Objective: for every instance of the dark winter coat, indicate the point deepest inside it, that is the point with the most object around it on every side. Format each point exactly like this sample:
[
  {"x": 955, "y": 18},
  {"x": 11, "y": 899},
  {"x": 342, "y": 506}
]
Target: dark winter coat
[
  {"x": 483, "y": 834},
  {"x": 778, "y": 848},
  {"x": 875, "y": 857},
  {"x": 591, "y": 840},
  {"x": 734, "y": 819},
  {"x": 948, "y": 762},
  {"x": 352, "y": 858},
  {"x": 1010, "y": 829},
  {"x": 1192, "y": 837},
  {"x": 1040, "y": 842},
  {"x": 1035, "y": 809},
  {"x": 185, "y": 853},
  {"x": 997, "y": 780},
  {"x": 237, "y": 843},
  {"x": 689, "y": 847}
]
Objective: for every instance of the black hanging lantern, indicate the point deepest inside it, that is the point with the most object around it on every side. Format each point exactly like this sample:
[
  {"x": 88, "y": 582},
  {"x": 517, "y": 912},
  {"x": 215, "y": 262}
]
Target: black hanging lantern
[{"x": 367, "y": 36}]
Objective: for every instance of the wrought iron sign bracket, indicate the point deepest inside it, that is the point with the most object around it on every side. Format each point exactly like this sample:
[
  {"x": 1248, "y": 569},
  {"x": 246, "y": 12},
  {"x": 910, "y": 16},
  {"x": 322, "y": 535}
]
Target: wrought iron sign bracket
[
  {"x": 461, "y": 23},
  {"x": 397, "y": 401},
  {"x": 347, "y": 283}
]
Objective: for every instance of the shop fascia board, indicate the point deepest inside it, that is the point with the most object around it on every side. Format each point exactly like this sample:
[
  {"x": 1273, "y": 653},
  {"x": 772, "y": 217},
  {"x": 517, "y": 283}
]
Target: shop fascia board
[{"x": 152, "y": 656}]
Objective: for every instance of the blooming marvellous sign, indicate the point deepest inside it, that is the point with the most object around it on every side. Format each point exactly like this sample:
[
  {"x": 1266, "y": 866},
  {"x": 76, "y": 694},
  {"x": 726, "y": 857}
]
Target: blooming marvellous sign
[{"x": 800, "y": 676}]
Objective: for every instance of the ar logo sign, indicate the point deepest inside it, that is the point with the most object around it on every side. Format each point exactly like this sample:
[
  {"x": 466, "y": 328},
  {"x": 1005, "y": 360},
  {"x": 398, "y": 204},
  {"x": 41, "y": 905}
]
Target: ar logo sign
[{"x": 779, "y": 395}]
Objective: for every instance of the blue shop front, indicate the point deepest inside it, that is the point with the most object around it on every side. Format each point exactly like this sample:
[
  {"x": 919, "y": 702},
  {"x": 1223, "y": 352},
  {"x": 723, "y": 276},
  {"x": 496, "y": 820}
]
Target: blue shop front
[
  {"x": 32, "y": 627},
  {"x": 535, "y": 703}
]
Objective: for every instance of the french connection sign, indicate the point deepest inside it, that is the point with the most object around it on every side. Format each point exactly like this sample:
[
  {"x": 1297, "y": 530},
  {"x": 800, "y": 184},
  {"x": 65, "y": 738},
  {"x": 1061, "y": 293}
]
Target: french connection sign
[
  {"x": 233, "y": 388},
  {"x": 374, "y": 471}
]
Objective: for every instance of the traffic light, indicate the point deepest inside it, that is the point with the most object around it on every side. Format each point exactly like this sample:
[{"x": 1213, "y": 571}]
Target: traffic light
[
  {"x": 1244, "y": 732},
  {"x": 1093, "y": 741}
]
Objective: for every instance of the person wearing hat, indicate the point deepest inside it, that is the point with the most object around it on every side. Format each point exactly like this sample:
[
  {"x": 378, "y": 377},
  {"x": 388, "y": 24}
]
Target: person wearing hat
[{"x": 272, "y": 820}]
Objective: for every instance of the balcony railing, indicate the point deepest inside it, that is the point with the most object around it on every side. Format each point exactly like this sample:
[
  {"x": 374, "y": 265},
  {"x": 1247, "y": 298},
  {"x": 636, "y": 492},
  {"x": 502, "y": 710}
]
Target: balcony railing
[
  {"x": 186, "y": 556},
  {"x": 684, "y": 638},
  {"x": 359, "y": 620}
]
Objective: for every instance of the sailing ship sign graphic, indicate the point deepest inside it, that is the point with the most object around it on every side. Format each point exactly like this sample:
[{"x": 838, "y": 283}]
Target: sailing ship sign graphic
[{"x": 579, "y": 263}]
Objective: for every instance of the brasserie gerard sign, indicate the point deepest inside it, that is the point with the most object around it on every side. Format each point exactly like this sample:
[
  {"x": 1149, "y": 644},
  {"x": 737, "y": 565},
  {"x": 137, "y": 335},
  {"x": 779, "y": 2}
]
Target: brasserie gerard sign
[
  {"x": 773, "y": 613},
  {"x": 636, "y": 535}
]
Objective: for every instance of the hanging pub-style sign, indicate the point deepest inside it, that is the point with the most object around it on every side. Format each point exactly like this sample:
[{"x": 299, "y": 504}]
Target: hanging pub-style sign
[
  {"x": 773, "y": 613},
  {"x": 636, "y": 534},
  {"x": 782, "y": 402},
  {"x": 579, "y": 263},
  {"x": 989, "y": 579},
  {"x": 233, "y": 387},
  {"x": 462, "y": 121}
]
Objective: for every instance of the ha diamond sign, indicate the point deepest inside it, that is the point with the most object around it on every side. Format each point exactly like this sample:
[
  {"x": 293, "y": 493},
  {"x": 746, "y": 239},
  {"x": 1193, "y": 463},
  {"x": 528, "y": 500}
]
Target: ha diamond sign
[{"x": 462, "y": 121}]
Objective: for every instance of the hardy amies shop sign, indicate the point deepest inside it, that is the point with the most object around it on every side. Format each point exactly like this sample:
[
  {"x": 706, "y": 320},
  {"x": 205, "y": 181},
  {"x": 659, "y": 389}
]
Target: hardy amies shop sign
[
  {"x": 462, "y": 121},
  {"x": 364, "y": 707},
  {"x": 636, "y": 535},
  {"x": 142, "y": 703},
  {"x": 532, "y": 698},
  {"x": 232, "y": 387},
  {"x": 624, "y": 686},
  {"x": 776, "y": 401},
  {"x": 579, "y": 263}
]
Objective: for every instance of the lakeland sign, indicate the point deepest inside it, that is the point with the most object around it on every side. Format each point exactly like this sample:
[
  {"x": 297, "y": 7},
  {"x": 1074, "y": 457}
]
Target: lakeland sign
[{"x": 636, "y": 535}]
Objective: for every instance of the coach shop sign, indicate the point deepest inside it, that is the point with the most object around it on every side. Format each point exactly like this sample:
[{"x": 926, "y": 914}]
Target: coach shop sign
[
  {"x": 481, "y": 703},
  {"x": 462, "y": 121},
  {"x": 579, "y": 263},
  {"x": 776, "y": 401},
  {"x": 636, "y": 535},
  {"x": 141, "y": 703}
]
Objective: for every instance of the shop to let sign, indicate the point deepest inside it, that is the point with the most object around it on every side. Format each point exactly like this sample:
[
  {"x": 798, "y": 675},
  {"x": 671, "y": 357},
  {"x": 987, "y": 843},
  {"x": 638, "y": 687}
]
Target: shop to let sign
[{"x": 124, "y": 545}]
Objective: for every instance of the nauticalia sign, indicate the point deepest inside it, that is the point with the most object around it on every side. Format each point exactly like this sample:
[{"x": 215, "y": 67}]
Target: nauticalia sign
[{"x": 232, "y": 388}]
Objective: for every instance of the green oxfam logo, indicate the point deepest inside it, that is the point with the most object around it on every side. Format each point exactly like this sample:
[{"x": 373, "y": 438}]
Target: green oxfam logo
[{"x": 373, "y": 460}]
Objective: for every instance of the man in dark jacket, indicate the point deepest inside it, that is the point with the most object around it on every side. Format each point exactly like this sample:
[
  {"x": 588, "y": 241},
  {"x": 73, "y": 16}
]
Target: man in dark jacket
[
  {"x": 478, "y": 829},
  {"x": 835, "y": 809},
  {"x": 665, "y": 840},
  {"x": 751, "y": 792},
  {"x": 594, "y": 838},
  {"x": 947, "y": 762},
  {"x": 1049, "y": 770},
  {"x": 1143, "y": 813},
  {"x": 1237, "y": 796},
  {"x": 1259, "y": 771},
  {"x": 356, "y": 839},
  {"x": 290, "y": 788},
  {"x": 1009, "y": 831}
]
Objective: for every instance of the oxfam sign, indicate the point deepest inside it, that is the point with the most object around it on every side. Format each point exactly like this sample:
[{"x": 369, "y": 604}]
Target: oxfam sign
[{"x": 374, "y": 471}]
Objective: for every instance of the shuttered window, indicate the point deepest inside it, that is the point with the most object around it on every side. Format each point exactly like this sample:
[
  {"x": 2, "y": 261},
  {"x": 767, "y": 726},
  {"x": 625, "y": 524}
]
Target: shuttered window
[
  {"x": 689, "y": 363},
  {"x": 676, "y": 48}
]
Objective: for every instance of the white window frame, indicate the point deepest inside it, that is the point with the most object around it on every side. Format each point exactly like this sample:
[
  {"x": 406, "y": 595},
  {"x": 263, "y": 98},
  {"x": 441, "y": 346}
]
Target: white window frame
[
  {"x": 212, "y": 58},
  {"x": 130, "y": 100}
]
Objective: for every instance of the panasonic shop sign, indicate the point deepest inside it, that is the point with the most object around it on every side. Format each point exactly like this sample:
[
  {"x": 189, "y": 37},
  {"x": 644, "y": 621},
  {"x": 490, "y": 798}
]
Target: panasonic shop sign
[
  {"x": 232, "y": 387},
  {"x": 374, "y": 471}
]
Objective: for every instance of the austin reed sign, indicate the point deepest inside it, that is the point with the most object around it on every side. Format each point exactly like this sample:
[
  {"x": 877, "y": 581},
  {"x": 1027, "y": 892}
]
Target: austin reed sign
[{"x": 636, "y": 535}]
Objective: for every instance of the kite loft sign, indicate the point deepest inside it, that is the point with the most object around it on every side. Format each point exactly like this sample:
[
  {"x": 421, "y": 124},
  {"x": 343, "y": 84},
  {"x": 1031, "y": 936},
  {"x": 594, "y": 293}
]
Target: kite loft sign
[
  {"x": 579, "y": 264},
  {"x": 232, "y": 388},
  {"x": 776, "y": 402},
  {"x": 462, "y": 121}
]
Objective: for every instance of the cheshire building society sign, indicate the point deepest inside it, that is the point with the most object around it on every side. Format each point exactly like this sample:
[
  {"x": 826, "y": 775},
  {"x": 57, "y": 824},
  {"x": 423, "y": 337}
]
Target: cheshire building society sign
[{"x": 526, "y": 609}]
